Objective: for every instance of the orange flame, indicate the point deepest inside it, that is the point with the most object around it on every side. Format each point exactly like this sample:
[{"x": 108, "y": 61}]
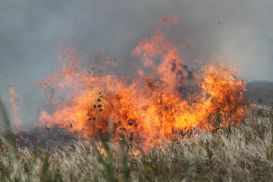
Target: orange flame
[
  {"x": 13, "y": 97},
  {"x": 150, "y": 108}
]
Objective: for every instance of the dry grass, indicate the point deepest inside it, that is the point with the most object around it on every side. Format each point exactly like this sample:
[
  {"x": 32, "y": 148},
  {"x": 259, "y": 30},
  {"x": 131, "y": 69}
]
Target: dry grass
[{"x": 241, "y": 153}]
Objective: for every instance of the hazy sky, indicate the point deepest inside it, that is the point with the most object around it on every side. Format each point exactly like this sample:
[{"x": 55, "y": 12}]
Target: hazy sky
[{"x": 32, "y": 31}]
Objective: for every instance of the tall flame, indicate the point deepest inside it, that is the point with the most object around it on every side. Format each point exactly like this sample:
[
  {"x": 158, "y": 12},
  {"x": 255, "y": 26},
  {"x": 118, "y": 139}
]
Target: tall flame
[{"x": 151, "y": 108}]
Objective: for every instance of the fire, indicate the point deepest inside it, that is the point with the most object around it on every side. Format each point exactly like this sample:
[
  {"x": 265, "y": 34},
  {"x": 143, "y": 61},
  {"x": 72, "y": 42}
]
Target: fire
[
  {"x": 151, "y": 107},
  {"x": 13, "y": 97}
]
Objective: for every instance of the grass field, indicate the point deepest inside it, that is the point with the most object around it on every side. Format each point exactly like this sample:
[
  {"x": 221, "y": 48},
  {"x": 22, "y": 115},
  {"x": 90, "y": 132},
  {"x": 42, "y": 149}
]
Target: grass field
[{"x": 238, "y": 153}]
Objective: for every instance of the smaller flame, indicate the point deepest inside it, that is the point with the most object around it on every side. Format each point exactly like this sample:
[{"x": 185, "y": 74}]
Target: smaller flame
[{"x": 13, "y": 96}]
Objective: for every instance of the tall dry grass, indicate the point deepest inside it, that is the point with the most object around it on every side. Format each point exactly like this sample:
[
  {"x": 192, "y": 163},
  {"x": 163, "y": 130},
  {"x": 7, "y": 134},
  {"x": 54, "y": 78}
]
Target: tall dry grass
[{"x": 238, "y": 153}]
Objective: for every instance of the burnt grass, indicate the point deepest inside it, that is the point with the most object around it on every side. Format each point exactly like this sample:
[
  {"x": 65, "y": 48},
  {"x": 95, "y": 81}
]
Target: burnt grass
[{"x": 237, "y": 153}]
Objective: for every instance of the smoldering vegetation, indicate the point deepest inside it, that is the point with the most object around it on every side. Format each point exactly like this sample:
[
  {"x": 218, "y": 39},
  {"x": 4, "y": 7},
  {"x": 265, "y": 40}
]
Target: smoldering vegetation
[{"x": 237, "y": 153}]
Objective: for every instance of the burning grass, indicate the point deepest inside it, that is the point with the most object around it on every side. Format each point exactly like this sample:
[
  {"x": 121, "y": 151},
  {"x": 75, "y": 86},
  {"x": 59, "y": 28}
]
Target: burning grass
[
  {"x": 237, "y": 153},
  {"x": 145, "y": 128},
  {"x": 150, "y": 105}
]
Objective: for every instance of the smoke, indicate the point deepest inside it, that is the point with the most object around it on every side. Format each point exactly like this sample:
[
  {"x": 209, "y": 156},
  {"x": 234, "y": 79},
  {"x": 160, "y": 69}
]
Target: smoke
[{"x": 32, "y": 32}]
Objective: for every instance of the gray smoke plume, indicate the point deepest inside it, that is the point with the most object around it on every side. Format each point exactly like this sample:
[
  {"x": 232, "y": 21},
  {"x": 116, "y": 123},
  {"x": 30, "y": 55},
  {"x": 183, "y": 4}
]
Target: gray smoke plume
[{"x": 32, "y": 31}]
